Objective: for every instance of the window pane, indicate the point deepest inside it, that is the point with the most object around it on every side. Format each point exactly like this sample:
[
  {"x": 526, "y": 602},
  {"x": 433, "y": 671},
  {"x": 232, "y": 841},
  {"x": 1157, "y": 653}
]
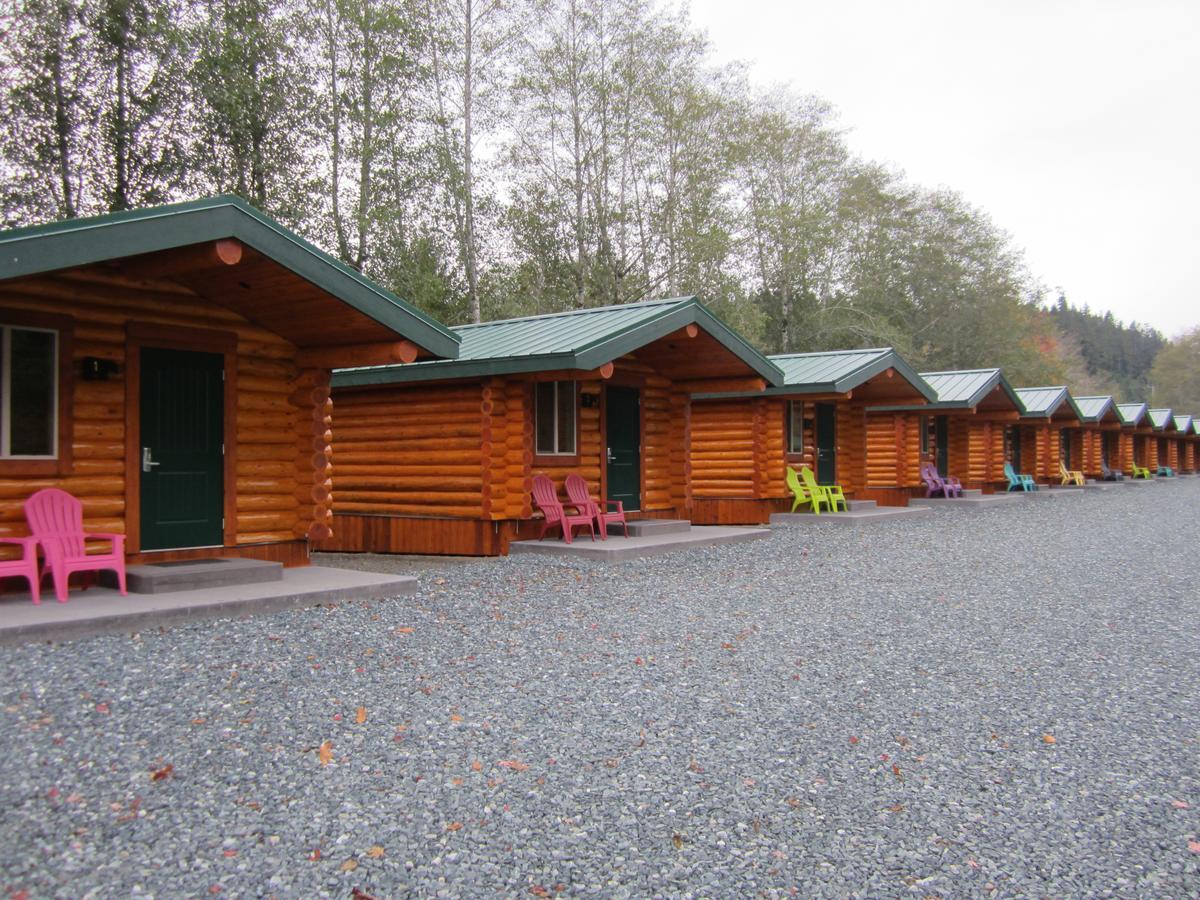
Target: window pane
[
  {"x": 566, "y": 417},
  {"x": 544, "y": 417},
  {"x": 31, "y": 401},
  {"x": 795, "y": 427}
]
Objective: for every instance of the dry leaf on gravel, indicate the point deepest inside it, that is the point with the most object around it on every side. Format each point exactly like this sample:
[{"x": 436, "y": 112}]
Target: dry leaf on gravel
[
  {"x": 513, "y": 764},
  {"x": 375, "y": 852},
  {"x": 360, "y": 715},
  {"x": 325, "y": 752},
  {"x": 165, "y": 772}
]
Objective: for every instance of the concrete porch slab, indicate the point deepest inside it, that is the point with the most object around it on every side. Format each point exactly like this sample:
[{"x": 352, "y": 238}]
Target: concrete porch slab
[
  {"x": 970, "y": 499},
  {"x": 195, "y": 574},
  {"x": 646, "y": 527},
  {"x": 101, "y": 610},
  {"x": 854, "y": 515},
  {"x": 618, "y": 549},
  {"x": 1044, "y": 492}
]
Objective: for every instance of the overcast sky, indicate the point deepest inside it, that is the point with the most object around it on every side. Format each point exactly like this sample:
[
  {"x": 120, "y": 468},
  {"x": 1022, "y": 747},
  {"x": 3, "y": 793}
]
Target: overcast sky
[{"x": 1075, "y": 125}]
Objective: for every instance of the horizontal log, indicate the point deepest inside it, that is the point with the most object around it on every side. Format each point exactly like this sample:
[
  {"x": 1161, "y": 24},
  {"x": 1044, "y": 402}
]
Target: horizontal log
[
  {"x": 408, "y": 509},
  {"x": 349, "y": 355}
]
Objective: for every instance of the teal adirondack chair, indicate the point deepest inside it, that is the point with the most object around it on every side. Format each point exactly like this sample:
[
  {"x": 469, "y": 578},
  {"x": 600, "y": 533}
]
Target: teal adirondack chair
[
  {"x": 1166, "y": 472},
  {"x": 802, "y": 495},
  {"x": 831, "y": 493},
  {"x": 1018, "y": 481}
]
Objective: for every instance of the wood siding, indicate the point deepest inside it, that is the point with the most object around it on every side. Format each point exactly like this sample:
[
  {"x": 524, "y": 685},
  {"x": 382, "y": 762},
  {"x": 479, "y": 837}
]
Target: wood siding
[{"x": 279, "y": 413}]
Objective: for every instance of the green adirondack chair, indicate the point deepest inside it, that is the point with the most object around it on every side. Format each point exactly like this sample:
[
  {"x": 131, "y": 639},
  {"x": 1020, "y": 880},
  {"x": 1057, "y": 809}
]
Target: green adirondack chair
[
  {"x": 1139, "y": 471},
  {"x": 802, "y": 495},
  {"x": 1018, "y": 481},
  {"x": 831, "y": 493}
]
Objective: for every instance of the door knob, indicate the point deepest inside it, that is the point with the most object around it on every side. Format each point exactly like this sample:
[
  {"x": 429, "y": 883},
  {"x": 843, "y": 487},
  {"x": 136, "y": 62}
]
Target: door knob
[
  {"x": 148, "y": 462},
  {"x": 610, "y": 455}
]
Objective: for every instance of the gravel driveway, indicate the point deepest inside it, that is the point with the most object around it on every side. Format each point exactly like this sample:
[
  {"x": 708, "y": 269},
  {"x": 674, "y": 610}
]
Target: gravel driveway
[{"x": 996, "y": 702}]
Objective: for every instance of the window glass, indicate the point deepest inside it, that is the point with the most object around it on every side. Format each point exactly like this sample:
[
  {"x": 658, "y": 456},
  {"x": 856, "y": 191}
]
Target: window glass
[
  {"x": 925, "y": 425},
  {"x": 544, "y": 416},
  {"x": 795, "y": 427},
  {"x": 30, "y": 372},
  {"x": 566, "y": 416}
]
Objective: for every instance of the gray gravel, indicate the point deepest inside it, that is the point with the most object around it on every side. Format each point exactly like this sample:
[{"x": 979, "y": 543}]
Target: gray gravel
[{"x": 998, "y": 702}]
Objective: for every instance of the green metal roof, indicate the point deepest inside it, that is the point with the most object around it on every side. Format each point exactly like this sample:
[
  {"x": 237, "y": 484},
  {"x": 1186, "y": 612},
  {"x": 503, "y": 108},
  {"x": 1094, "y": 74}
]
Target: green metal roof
[
  {"x": 1131, "y": 413},
  {"x": 578, "y": 339},
  {"x": 1184, "y": 424},
  {"x": 1162, "y": 418},
  {"x": 1044, "y": 402},
  {"x": 835, "y": 372},
  {"x": 1093, "y": 409},
  {"x": 959, "y": 389},
  {"x": 78, "y": 242}
]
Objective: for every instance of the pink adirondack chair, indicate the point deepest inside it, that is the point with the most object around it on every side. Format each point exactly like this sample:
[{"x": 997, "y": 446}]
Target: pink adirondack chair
[
  {"x": 56, "y": 520},
  {"x": 577, "y": 491},
  {"x": 26, "y": 566},
  {"x": 545, "y": 496}
]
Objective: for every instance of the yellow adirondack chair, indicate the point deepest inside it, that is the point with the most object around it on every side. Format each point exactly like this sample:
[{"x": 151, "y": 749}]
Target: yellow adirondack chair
[
  {"x": 1139, "y": 471},
  {"x": 831, "y": 493},
  {"x": 1069, "y": 476},
  {"x": 802, "y": 495}
]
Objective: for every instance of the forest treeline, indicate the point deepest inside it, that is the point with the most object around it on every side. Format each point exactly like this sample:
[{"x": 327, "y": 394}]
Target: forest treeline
[{"x": 488, "y": 158}]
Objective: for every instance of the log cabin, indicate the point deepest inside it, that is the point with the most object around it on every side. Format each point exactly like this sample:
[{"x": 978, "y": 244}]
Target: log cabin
[
  {"x": 1164, "y": 437},
  {"x": 1134, "y": 441},
  {"x": 170, "y": 367},
  {"x": 963, "y": 432},
  {"x": 1099, "y": 434},
  {"x": 439, "y": 456},
  {"x": 1185, "y": 428},
  {"x": 1047, "y": 433},
  {"x": 742, "y": 442}
]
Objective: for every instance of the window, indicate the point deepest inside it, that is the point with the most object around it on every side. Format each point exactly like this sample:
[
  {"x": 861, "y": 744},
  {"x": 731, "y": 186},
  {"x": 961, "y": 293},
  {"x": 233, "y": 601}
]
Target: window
[
  {"x": 29, "y": 367},
  {"x": 795, "y": 426},
  {"x": 925, "y": 426},
  {"x": 554, "y": 418}
]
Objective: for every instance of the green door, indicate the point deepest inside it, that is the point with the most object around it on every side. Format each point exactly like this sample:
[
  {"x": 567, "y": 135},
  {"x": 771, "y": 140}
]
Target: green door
[
  {"x": 941, "y": 425},
  {"x": 623, "y": 430},
  {"x": 182, "y": 452},
  {"x": 826, "y": 443},
  {"x": 1013, "y": 435}
]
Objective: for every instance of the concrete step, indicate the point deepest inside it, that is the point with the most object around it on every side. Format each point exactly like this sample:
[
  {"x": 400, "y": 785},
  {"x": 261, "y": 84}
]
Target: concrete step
[
  {"x": 861, "y": 505},
  {"x": 969, "y": 499},
  {"x": 647, "y": 527},
  {"x": 618, "y": 549},
  {"x": 196, "y": 575},
  {"x": 854, "y": 515}
]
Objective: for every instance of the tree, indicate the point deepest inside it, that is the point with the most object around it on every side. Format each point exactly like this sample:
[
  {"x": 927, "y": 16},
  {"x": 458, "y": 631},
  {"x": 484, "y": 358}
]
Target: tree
[{"x": 1176, "y": 374}]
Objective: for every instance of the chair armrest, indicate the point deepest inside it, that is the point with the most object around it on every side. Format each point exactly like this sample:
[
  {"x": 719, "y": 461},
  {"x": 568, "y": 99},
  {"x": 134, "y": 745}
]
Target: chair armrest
[
  {"x": 620, "y": 504},
  {"x": 117, "y": 539}
]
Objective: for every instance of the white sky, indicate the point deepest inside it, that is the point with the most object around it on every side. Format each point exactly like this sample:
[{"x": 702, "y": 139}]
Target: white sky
[{"x": 1075, "y": 125}]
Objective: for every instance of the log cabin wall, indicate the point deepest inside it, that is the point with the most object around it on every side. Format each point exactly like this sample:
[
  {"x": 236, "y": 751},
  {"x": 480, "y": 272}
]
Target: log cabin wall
[
  {"x": 1076, "y": 438},
  {"x": 1125, "y": 451},
  {"x": 1173, "y": 453},
  {"x": 893, "y": 455},
  {"x": 737, "y": 455},
  {"x": 448, "y": 468},
  {"x": 1187, "y": 456},
  {"x": 1151, "y": 450},
  {"x": 279, "y": 414}
]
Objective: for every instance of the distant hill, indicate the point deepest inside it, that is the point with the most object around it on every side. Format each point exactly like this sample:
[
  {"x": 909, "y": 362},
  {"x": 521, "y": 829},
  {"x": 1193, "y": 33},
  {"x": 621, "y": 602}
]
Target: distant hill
[{"x": 1117, "y": 355}]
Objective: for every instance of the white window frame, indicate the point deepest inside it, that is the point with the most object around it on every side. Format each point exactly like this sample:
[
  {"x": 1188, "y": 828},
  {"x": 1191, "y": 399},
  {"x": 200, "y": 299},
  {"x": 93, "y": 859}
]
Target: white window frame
[
  {"x": 558, "y": 386},
  {"x": 6, "y": 331}
]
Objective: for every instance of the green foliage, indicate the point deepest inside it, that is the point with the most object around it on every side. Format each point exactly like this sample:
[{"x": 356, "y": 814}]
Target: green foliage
[
  {"x": 1176, "y": 374},
  {"x": 1119, "y": 353}
]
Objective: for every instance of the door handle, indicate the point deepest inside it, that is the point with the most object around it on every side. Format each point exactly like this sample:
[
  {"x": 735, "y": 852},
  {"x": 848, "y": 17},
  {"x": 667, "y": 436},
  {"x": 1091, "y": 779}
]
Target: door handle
[
  {"x": 610, "y": 455},
  {"x": 148, "y": 462}
]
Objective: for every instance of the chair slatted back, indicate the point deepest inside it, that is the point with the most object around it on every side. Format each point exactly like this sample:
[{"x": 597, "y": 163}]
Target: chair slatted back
[{"x": 56, "y": 519}]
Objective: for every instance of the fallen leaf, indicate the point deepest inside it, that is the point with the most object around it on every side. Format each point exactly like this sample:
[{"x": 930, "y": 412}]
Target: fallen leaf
[
  {"x": 513, "y": 764},
  {"x": 407, "y": 629},
  {"x": 199, "y": 721},
  {"x": 477, "y": 766},
  {"x": 456, "y": 781},
  {"x": 349, "y": 865},
  {"x": 356, "y": 894},
  {"x": 896, "y": 807},
  {"x": 537, "y": 890},
  {"x": 853, "y": 739},
  {"x": 454, "y": 826},
  {"x": 325, "y": 753},
  {"x": 360, "y": 715},
  {"x": 896, "y": 771},
  {"x": 375, "y": 852},
  {"x": 102, "y": 708},
  {"x": 677, "y": 840},
  {"x": 315, "y": 854},
  {"x": 972, "y": 864},
  {"x": 1049, "y": 739},
  {"x": 230, "y": 853},
  {"x": 455, "y": 717},
  {"x": 1194, "y": 846},
  {"x": 1180, "y": 804},
  {"x": 165, "y": 772}
]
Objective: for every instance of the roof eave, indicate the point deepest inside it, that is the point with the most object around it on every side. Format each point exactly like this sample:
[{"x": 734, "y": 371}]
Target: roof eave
[{"x": 63, "y": 245}]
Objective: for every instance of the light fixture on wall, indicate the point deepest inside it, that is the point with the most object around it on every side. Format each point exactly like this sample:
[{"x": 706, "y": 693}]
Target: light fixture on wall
[{"x": 96, "y": 368}]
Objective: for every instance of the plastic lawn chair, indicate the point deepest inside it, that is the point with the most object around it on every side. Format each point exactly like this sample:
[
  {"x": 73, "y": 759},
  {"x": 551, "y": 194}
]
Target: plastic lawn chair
[
  {"x": 1166, "y": 472},
  {"x": 802, "y": 495},
  {"x": 545, "y": 497},
  {"x": 1139, "y": 471},
  {"x": 831, "y": 492},
  {"x": 56, "y": 520},
  {"x": 1111, "y": 474},
  {"x": 936, "y": 483},
  {"x": 1018, "y": 481},
  {"x": 26, "y": 566},
  {"x": 577, "y": 493},
  {"x": 1069, "y": 476}
]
